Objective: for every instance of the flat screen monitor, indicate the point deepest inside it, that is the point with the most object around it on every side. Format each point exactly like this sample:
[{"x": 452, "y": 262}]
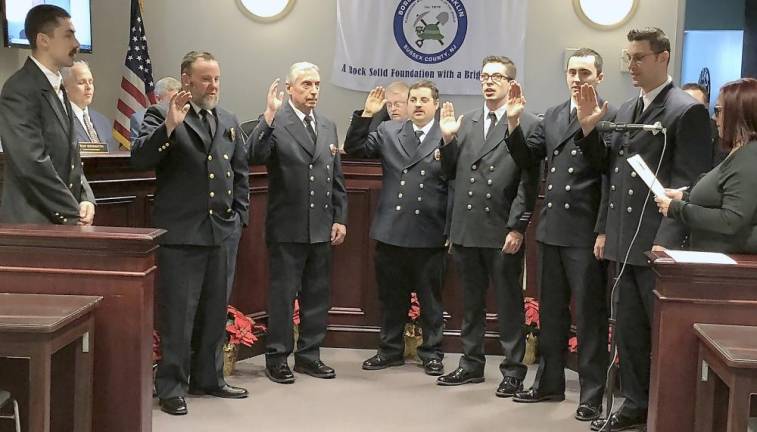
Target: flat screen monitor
[{"x": 14, "y": 14}]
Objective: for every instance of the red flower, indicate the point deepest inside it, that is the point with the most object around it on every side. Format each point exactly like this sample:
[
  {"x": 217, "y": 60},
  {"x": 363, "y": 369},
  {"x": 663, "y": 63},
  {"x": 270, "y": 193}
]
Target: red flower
[
  {"x": 573, "y": 344},
  {"x": 415, "y": 307},
  {"x": 240, "y": 328},
  {"x": 531, "y": 309},
  {"x": 296, "y": 314}
]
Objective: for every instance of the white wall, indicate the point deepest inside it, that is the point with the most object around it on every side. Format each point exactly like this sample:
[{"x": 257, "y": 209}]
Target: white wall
[{"x": 252, "y": 54}]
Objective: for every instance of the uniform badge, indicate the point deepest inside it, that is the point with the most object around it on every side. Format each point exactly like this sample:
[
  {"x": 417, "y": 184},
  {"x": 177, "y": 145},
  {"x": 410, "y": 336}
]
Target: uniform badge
[
  {"x": 437, "y": 154},
  {"x": 333, "y": 149},
  {"x": 232, "y": 134}
]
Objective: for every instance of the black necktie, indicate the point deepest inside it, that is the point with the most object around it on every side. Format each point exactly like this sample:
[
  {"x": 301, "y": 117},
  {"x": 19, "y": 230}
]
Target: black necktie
[
  {"x": 418, "y": 135},
  {"x": 209, "y": 122},
  {"x": 638, "y": 109},
  {"x": 492, "y": 122},
  {"x": 571, "y": 116},
  {"x": 309, "y": 127}
]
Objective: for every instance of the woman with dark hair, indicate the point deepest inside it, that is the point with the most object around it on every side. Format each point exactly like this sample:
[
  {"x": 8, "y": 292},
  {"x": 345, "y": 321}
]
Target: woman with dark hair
[{"x": 721, "y": 209}]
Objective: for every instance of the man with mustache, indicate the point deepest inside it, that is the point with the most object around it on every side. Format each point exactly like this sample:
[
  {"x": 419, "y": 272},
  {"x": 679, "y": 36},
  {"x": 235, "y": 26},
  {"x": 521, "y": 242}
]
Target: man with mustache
[
  {"x": 409, "y": 225},
  {"x": 571, "y": 242},
  {"x": 44, "y": 182},
  {"x": 306, "y": 217},
  {"x": 90, "y": 125},
  {"x": 202, "y": 200},
  {"x": 494, "y": 199}
]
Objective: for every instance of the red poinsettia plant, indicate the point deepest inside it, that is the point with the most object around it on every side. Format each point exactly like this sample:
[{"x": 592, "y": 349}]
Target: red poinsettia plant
[
  {"x": 240, "y": 328},
  {"x": 531, "y": 310},
  {"x": 415, "y": 307},
  {"x": 296, "y": 314}
]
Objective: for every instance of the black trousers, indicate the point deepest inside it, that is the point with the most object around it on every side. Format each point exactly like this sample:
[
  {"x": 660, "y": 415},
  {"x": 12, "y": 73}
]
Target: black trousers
[
  {"x": 297, "y": 270},
  {"x": 634, "y": 333},
  {"x": 564, "y": 271},
  {"x": 478, "y": 267},
  {"x": 194, "y": 284},
  {"x": 399, "y": 271}
]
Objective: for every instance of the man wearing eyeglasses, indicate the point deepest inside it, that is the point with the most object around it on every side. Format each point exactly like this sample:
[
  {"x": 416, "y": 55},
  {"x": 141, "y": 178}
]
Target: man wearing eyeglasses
[
  {"x": 677, "y": 161},
  {"x": 494, "y": 199}
]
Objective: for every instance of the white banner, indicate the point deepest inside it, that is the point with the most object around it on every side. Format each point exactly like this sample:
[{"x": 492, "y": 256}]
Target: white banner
[{"x": 380, "y": 41}]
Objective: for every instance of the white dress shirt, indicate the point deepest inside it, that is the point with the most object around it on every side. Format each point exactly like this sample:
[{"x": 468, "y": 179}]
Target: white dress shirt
[
  {"x": 500, "y": 112},
  {"x": 55, "y": 79}
]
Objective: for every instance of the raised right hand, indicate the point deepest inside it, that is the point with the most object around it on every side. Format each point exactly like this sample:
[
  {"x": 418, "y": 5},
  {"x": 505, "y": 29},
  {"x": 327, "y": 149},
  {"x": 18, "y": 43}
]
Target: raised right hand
[
  {"x": 177, "y": 110},
  {"x": 374, "y": 102},
  {"x": 587, "y": 108},
  {"x": 447, "y": 122},
  {"x": 273, "y": 101}
]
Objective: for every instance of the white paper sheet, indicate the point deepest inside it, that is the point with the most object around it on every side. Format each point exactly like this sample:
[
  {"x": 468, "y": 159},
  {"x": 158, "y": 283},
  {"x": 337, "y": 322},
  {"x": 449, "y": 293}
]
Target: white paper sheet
[
  {"x": 694, "y": 257},
  {"x": 641, "y": 168}
]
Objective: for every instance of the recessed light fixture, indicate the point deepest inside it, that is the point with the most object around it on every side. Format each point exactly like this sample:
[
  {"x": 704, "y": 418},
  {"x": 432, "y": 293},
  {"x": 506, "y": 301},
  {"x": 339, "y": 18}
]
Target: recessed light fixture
[
  {"x": 605, "y": 14},
  {"x": 266, "y": 10}
]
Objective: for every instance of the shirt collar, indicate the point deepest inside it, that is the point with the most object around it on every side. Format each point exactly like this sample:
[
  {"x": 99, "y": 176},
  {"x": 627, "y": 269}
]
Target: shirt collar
[
  {"x": 301, "y": 115},
  {"x": 652, "y": 94},
  {"x": 499, "y": 112},
  {"x": 198, "y": 110},
  {"x": 55, "y": 78},
  {"x": 425, "y": 129},
  {"x": 79, "y": 112}
]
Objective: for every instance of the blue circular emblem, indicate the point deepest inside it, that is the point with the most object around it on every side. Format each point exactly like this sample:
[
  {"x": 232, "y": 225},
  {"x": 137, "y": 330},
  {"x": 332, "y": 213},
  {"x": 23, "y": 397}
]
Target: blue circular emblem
[{"x": 430, "y": 31}]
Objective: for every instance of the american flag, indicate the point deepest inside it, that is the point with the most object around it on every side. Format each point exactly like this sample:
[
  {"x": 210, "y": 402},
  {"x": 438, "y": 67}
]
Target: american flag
[{"x": 137, "y": 86}]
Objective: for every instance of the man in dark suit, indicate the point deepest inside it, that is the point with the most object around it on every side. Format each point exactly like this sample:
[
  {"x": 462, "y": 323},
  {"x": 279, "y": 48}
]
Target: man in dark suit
[
  {"x": 571, "y": 241},
  {"x": 165, "y": 88},
  {"x": 307, "y": 215},
  {"x": 703, "y": 96},
  {"x": 494, "y": 199},
  {"x": 89, "y": 125},
  {"x": 409, "y": 222},
  {"x": 44, "y": 182},
  {"x": 634, "y": 225},
  {"x": 202, "y": 200}
]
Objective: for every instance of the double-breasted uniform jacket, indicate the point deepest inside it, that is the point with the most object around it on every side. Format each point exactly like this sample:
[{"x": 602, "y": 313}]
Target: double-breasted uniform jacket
[
  {"x": 572, "y": 214},
  {"x": 678, "y": 161},
  {"x": 492, "y": 194},
  {"x": 412, "y": 206},
  {"x": 44, "y": 181},
  {"x": 306, "y": 190},
  {"x": 202, "y": 192}
]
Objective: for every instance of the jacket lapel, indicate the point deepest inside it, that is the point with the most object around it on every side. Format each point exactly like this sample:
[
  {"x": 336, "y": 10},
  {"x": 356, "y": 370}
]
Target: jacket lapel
[
  {"x": 322, "y": 147},
  {"x": 408, "y": 142},
  {"x": 429, "y": 144},
  {"x": 296, "y": 128},
  {"x": 658, "y": 105},
  {"x": 194, "y": 122},
  {"x": 495, "y": 137},
  {"x": 568, "y": 130}
]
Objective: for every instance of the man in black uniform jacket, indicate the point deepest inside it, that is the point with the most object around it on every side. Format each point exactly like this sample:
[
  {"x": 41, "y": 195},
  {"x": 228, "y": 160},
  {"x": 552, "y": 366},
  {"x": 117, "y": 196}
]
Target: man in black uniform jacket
[
  {"x": 678, "y": 161},
  {"x": 494, "y": 199},
  {"x": 202, "y": 200},
  {"x": 571, "y": 240},
  {"x": 307, "y": 215},
  {"x": 409, "y": 222}
]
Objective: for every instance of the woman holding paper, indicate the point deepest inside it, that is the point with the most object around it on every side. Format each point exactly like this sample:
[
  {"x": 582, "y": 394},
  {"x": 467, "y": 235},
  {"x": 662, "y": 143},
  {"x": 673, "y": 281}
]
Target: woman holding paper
[{"x": 721, "y": 209}]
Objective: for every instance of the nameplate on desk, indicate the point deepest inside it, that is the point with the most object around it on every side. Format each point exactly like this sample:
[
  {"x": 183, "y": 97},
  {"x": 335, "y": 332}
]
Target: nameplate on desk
[{"x": 92, "y": 147}]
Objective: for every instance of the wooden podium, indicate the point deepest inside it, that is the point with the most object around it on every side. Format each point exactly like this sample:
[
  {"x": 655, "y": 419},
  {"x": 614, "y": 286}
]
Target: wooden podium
[
  {"x": 686, "y": 294},
  {"x": 115, "y": 263}
]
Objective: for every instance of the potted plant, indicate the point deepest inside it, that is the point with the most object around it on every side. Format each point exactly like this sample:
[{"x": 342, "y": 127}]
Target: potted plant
[
  {"x": 413, "y": 332},
  {"x": 531, "y": 323},
  {"x": 240, "y": 329}
]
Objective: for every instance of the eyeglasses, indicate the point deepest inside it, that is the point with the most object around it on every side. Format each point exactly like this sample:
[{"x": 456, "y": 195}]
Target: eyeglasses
[
  {"x": 637, "y": 58},
  {"x": 496, "y": 78},
  {"x": 717, "y": 110}
]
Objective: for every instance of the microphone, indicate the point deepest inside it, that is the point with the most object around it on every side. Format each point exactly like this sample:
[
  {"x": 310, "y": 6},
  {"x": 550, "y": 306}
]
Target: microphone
[{"x": 606, "y": 126}]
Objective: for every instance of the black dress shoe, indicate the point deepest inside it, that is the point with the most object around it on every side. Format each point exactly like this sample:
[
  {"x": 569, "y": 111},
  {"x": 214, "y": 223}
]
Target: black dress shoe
[
  {"x": 280, "y": 374},
  {"x": 619, "y": 422},
  {"x": 315, "y": 369},
  {"x": 460, "y": 376},
  {"x": 533, "y": 395},
  {"x": 509, "y": 386},
  {"x": 433, "y": 367},
  {"x": 174, "y": 406},
  {"x": 380, "y": 361},
  {"x": 226, "y": 392},
  {"x": 588, "y": 412}
]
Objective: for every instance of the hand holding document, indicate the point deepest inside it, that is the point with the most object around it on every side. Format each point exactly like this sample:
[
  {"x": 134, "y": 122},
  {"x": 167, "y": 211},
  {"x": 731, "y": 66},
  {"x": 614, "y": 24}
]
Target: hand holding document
[{"x": 641, "y": 168}]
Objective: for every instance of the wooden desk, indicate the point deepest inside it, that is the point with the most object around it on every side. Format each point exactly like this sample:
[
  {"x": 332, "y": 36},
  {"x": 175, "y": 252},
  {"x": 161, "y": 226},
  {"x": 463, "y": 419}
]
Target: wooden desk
[
  {"x": 686, "y": 294},
  {"x": 730, "y": 354},
  {"x": 36, "y": 327}
]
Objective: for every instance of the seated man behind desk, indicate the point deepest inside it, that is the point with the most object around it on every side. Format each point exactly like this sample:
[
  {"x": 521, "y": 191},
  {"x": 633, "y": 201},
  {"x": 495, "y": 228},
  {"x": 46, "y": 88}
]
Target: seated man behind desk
[
  {"x": 89, "y": 125},
  {"x": 165, "y": 88}
]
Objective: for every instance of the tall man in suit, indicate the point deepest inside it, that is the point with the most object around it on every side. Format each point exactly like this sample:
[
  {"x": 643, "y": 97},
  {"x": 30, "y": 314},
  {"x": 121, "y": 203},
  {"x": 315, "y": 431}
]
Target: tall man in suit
[
  {"x": 494, "y": 199},
  {"x": 165, "y": 88},
  {"x": 634, "y": 225},
  {"x": 202, "y": 200},
  {"x": 409, "y": 222},
  {"x": 89, "y": 125},
  {"x": 44, "y": 182},
  {"x": 571, "y": 241},
  {"x": 307, "y": 215}
]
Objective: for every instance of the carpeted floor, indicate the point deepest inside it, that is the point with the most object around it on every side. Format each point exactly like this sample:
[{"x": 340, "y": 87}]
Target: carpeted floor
[{"x": 394, "y": 399}]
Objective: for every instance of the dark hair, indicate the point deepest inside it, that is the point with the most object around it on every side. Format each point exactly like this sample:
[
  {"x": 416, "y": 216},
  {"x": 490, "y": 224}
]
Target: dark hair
[
  {"x": 510, "y": 68},
  {"x": 658, "y": 42},
  {"x": 696, "y": 86},
  {"x": 42, "y": 19},
  {"x": 739, "y": 122},
  {"x": 425, "y": 84},
  {"x": 586, "y": 52},
  {"x": 191, "y": 57}
]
